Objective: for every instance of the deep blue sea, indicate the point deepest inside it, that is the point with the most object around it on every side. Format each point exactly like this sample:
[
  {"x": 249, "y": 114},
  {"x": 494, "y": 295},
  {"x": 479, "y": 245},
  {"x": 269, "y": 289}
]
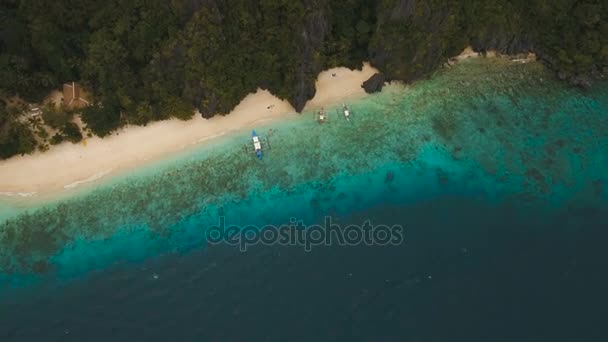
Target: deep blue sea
[{"x": 495, "y": 172}]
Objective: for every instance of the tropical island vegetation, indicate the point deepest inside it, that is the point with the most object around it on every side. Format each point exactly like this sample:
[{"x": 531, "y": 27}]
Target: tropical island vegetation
[{"x": 148, "y": 60}]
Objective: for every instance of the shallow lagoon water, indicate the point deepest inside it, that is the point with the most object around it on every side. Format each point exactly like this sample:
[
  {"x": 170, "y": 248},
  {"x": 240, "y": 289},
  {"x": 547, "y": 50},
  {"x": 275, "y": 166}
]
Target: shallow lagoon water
[{"x": 494, "y": 166}]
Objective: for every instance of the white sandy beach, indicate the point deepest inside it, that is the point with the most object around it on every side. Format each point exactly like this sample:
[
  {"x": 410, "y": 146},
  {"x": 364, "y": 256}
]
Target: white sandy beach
[
  {"x": 468, "y": 52},
  {"x": 67, "y": 166}
]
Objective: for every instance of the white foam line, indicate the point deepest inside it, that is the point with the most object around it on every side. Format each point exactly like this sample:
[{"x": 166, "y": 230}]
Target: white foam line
[
  {"x": 88, "y": 180},
  {"x": 208, "y": 138},
  {"x": 21, "y": 194}
]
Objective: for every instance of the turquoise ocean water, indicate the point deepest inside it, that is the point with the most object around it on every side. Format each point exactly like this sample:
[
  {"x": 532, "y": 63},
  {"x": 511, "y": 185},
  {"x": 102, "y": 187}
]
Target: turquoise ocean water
[{"x": 495, "y": 170}]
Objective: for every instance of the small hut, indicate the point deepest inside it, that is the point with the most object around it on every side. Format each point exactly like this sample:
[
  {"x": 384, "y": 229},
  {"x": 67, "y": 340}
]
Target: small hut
[{"x": 73, "y": 95}]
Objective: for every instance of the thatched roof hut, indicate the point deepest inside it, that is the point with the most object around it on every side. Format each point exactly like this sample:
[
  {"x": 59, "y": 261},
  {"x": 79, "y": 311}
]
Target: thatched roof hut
[{"x": 74, "y": 96}]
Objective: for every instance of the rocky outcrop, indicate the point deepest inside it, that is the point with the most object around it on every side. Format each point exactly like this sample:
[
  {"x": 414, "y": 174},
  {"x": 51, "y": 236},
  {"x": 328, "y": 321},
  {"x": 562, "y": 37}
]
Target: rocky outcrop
[
  {"x": 414, "y": 37},
  {"x": 512, "y": 44},
  {"x": 374, "y": 83},
  {"x": 503, "y": 42},
  {"x": 313, "y": 35},
  {"x": 410, "y": 40},
  {"x": 404, "y": 56}
]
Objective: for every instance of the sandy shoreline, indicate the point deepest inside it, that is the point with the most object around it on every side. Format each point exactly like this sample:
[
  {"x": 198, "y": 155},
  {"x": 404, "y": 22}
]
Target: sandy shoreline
[
  {"x": 470, "y": 53},
  {"x": 68, "y": 166},
  {"x": 27, "y": 179}
]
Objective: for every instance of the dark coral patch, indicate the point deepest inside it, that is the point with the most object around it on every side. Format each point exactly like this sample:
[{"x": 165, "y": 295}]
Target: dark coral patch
[
  {"x": 548, "y": 162},
  {"x": 442, "y": 176},
  {"x": 598, "y": 187},
  {"x": 41, "y": 267},
  {"x": 445, "y": 126},
  {"x": 555, "y": 147},
  {"x": 389, "y": 177},
  {"x": 457, "y": 152},
  {"x": 535, "y": 175}
]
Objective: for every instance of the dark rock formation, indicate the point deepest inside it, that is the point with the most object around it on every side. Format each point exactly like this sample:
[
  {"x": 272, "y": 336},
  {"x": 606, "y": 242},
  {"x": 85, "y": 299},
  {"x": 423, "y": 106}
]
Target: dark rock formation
[
  {"x": 374, "y": 83},
  {"x": 313, "y": 36},
  {"x": 581, "y": 81},
  {"x": 504, "y": 43},
  {"x": 399, "y": 54},
  {"x": 414, "y": 37}
]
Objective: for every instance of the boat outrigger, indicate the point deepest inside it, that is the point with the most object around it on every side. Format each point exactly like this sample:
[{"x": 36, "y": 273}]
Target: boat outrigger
[{"x": 259, "y": 145}]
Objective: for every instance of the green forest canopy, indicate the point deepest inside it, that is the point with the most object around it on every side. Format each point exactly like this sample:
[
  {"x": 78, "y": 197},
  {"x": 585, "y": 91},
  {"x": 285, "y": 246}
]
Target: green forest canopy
[{"x": 146, "y": 60}]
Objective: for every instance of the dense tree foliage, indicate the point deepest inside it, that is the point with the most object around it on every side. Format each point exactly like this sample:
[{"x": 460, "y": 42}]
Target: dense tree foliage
[
  {"x": 15, "y": 136},
  {"x": 414, "y": 37},
  {"x": 56, "y": 117},
  {"x": 71, "y": 132},
  {"x": 146, "y": 60}
]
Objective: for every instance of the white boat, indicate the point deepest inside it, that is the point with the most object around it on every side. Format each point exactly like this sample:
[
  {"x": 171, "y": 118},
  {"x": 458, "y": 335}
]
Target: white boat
[
  {"x": 322, "y": 115},
  {"x": 259, "y": 144},
  {"x": 346, "y": 111}
]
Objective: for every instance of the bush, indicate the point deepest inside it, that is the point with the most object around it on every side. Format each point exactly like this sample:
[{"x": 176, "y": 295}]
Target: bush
[
  {"x": 71, "y": 132},
  {"x": 178, "y": 108},
  {"x": 56, "y": 117},
  {"x": 56, "y": 139},
  {"x": 102, "y": 120},
  {"x": 18, "y": 139}
]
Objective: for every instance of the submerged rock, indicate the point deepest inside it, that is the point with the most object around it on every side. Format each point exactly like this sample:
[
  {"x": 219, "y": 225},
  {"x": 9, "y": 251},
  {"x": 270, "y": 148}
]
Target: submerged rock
[
  {"x": 374, "y": 83},
  {"x": 581, "y": 81},
  {"x": 389, "y": 177}
]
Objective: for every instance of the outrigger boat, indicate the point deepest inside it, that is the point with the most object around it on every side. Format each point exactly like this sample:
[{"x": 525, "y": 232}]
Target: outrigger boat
[
  {"x": 322, "y": 115},
  {"x": 346, "y": 111},
  {"x": 259, "y": 144}
]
